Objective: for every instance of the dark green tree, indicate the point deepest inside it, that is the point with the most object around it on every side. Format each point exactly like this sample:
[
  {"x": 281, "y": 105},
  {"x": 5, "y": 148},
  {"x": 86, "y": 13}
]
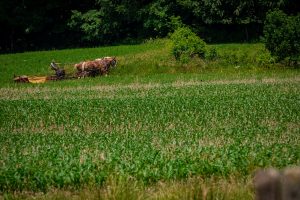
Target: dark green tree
[
  {"x": 109, "y": 21},
  {"x": 282, "y": 36},
  {"x": 242, "y": 15},
  {"x": 30, "y": 24},
  {"x": 156, "y": 17},
  {"x": 45, "y": 24}
]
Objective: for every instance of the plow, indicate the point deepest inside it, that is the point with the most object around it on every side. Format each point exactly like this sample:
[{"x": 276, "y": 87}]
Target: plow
[{"x": 97, "y": 67}]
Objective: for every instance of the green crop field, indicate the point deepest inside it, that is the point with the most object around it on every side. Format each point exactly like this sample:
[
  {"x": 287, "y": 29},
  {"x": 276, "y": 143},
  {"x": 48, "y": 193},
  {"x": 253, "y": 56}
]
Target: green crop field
[{"x": 153, "y": 128}]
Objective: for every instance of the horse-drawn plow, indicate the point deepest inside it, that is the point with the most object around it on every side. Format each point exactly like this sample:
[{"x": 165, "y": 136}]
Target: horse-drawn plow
[{"x": 90, "y": 68}]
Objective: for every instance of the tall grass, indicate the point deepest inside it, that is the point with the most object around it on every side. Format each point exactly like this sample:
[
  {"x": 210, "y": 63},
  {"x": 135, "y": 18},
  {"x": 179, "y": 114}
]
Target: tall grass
[{"x": 115, "y": 188}]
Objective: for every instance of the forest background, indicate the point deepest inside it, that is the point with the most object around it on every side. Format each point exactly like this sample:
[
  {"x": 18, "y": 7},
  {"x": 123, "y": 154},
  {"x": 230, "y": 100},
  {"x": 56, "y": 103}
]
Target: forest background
[{"x": 54, "y": 24}]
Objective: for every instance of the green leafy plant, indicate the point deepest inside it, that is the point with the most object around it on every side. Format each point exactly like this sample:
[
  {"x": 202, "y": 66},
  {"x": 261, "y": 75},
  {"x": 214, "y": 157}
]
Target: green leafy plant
[
  {"x": 212, "y": 54},
  {"x": 186, "y": 44},
  {"x": 265, "y": 59},
  {"x": 89, "y": 24},
  {"x": 282, "y": 36}
]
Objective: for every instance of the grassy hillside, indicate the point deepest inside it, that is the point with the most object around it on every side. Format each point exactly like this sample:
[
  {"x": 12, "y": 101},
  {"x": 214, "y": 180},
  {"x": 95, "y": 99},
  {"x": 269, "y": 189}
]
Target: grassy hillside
[
  {"x": 153, "y": 128},
  {"x": 231, "y": 61},
  {"x": 37, "y": 63}
]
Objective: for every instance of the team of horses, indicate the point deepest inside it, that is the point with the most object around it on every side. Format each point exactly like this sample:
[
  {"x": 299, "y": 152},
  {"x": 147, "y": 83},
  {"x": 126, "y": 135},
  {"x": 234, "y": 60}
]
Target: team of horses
[
  {"x": 89, "y": 68},
  {"x": 99, "y": 66}
]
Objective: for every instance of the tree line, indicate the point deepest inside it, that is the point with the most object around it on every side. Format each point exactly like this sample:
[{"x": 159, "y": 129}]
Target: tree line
[{"x": 48, "y": 24}]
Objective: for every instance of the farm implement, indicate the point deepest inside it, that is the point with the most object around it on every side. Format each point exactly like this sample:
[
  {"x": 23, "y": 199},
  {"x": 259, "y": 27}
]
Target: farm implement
[
  {"x": 59, "y": 75},
  {"x": 97, "y": 67}
]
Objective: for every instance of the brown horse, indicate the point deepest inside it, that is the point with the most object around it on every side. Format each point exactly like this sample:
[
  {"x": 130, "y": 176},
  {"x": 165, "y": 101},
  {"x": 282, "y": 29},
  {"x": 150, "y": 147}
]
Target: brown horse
[{"x": 99, "y": 66}]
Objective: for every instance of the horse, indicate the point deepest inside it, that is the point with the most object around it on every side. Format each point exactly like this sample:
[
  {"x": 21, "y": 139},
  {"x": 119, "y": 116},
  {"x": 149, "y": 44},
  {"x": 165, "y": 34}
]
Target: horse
[
  {"x": 99, "y": 66},
  {"x": 106, "y": 63}
]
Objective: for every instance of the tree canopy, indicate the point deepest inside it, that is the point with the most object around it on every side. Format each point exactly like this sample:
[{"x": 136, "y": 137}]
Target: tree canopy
[{"x": 31, "y": 25}]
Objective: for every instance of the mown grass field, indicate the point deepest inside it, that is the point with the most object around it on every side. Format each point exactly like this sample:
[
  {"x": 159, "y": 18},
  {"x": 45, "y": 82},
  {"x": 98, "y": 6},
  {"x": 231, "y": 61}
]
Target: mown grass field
[{"x": 153, "y": 128}]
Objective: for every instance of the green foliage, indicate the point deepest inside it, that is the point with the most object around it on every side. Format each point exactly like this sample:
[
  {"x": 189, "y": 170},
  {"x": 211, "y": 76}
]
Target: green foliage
[
  {"x": 89, "y": 23},
  {"x": 212, "y": 54},
  {"x": 265, "y": 59},
  {"x": 241, "y": 56},
  {"x": 30, "y": 25},
  {"x": 175, "y": 23},
  {"x": 282, "y": 36},
  {"x": 230, "y": 11},
  {"x": 186, "y": 44},
  {"x": 157, "y": 16}
]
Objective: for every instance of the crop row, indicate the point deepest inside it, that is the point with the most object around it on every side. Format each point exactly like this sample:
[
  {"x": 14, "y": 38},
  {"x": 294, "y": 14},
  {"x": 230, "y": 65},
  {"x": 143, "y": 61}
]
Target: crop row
[{"x": 75, "y": 138}]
